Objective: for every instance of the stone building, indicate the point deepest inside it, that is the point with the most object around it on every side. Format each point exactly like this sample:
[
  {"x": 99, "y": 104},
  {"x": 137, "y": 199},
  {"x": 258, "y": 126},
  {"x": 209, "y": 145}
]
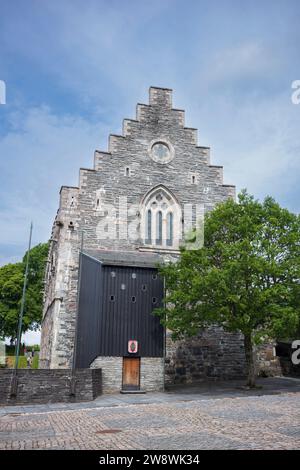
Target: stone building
[{"x": 131, "y": 211}]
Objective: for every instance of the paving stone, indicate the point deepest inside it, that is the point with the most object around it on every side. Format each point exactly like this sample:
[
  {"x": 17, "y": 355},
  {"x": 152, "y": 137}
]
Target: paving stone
[{"x": 240, "y": 422}]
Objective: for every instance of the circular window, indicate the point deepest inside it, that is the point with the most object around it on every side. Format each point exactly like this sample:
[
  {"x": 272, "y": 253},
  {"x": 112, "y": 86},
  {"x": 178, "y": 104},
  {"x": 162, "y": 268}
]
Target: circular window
[{"x": 161, "y": 152}]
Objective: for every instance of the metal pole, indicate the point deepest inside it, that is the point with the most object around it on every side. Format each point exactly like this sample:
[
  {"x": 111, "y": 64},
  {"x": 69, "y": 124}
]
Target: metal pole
[
  {"x": 19, "y": 334},
  {"x": 165, "y": 336},
  {"x": 73, "y": 378}
]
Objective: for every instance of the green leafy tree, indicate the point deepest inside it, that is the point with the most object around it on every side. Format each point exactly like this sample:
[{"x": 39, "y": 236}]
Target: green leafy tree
[
  {"x": 246, "y": 277},
  {"x": 11, "y": 285}
]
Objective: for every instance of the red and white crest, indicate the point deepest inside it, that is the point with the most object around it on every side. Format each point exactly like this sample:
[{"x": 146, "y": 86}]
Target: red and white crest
[{"x": 132, "y": 346}]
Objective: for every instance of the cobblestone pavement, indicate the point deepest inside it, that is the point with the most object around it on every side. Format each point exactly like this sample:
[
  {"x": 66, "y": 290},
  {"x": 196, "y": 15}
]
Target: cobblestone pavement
[{"x": 157, "y": 421}]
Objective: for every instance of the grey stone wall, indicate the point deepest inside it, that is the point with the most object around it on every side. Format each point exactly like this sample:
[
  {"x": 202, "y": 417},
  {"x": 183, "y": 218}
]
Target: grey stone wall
[
  {"x": 49, "y": 386},
  {"x": 215, "y": 354},
  {"x": 152, "y": 373},
  {"x": 111, "y": 373},
  {"x": 212, "y": 354},
  {"x": 60, "y": 295},
  {"x": 268, "y": 364}
]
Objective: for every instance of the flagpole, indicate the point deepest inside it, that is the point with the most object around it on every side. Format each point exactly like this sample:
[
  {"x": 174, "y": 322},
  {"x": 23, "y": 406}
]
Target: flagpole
[{"x": 19, "y": 334}]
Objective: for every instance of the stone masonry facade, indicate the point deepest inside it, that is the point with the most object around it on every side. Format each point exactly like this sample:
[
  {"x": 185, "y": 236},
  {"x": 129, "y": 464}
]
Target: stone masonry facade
[
  {"x": 126, "y": 173},
  {"x": 151, "y": 379},
  {"x": 212, "y": 354}
]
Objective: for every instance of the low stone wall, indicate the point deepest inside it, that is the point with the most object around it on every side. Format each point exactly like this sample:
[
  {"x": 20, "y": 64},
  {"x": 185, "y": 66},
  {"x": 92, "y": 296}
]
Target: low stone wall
[
  {"x": 217, "y": 355},
  {"x": 50, "y": 385}
]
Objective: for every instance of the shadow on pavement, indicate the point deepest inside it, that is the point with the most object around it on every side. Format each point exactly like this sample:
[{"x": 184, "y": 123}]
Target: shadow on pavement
[{"x": 212, "y": 389}]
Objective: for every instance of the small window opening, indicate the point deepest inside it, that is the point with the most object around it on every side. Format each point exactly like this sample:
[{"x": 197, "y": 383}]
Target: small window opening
[
  {"x": 133, "y": 275},
  {"x": 112, "y": 298},
  {"x": 154, "y": 300},
  {"x": 127, "y": 171},
  {"x": 113, "y": 274},
  {"x": 144, "y": 287},
  {"x": 133, "y": 299},
  {"x": 154, "y": 277},
  {"x": 193, "y": 179},
  {"x": 123, "y": 287}
]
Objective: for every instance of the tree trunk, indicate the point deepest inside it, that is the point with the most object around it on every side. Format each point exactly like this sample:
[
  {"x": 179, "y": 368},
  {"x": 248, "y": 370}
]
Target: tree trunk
[{"x": 249, "y": 353}]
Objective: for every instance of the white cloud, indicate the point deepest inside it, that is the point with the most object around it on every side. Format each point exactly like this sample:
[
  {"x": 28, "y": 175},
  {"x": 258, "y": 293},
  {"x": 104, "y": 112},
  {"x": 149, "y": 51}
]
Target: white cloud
[
  {"x": 246, "y": 60},
  {"x": 42, "y": 152},
  {"x": 92, "y": 50},
  {"x": 258, "y": 142},
  {"x": 29, "y": 338}
]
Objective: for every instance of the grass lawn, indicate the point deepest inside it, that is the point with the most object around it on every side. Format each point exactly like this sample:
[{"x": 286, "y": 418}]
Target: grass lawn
[{"x": 10, "y": 361}]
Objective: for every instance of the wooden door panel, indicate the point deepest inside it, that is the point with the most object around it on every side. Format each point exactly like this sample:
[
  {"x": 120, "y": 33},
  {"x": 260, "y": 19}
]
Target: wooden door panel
[{"x": 131, "y": 373}]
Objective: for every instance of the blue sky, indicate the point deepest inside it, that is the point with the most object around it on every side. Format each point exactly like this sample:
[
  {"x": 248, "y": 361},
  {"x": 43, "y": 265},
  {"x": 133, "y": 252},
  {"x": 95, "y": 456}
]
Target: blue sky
[{"x": 74, "y": 69}]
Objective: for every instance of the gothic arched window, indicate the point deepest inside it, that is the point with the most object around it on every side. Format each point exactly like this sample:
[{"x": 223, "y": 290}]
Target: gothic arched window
[{"x": 161, "y": 219}]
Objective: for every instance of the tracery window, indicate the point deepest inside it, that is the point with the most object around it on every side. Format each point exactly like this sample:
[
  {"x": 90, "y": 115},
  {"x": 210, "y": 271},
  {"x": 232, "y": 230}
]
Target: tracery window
[{"x": 161, "y": 219}]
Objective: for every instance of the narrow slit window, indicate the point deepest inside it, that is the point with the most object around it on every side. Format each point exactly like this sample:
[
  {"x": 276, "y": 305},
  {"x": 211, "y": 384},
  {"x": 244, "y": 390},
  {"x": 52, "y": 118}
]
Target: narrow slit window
[
  {"x": 148, "y": 226},
  {"x": 112, "y": 298},
  {"x": 159, "y": 228},
  {"x": 133, "y": 299},
  {"x": 144, "y": 287},
  {"x": 193, "y": 179},
  {"x": 170, "y": 229},
  {"x": 127, "y": 171},
  {"x": 154, "y": 300}
]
